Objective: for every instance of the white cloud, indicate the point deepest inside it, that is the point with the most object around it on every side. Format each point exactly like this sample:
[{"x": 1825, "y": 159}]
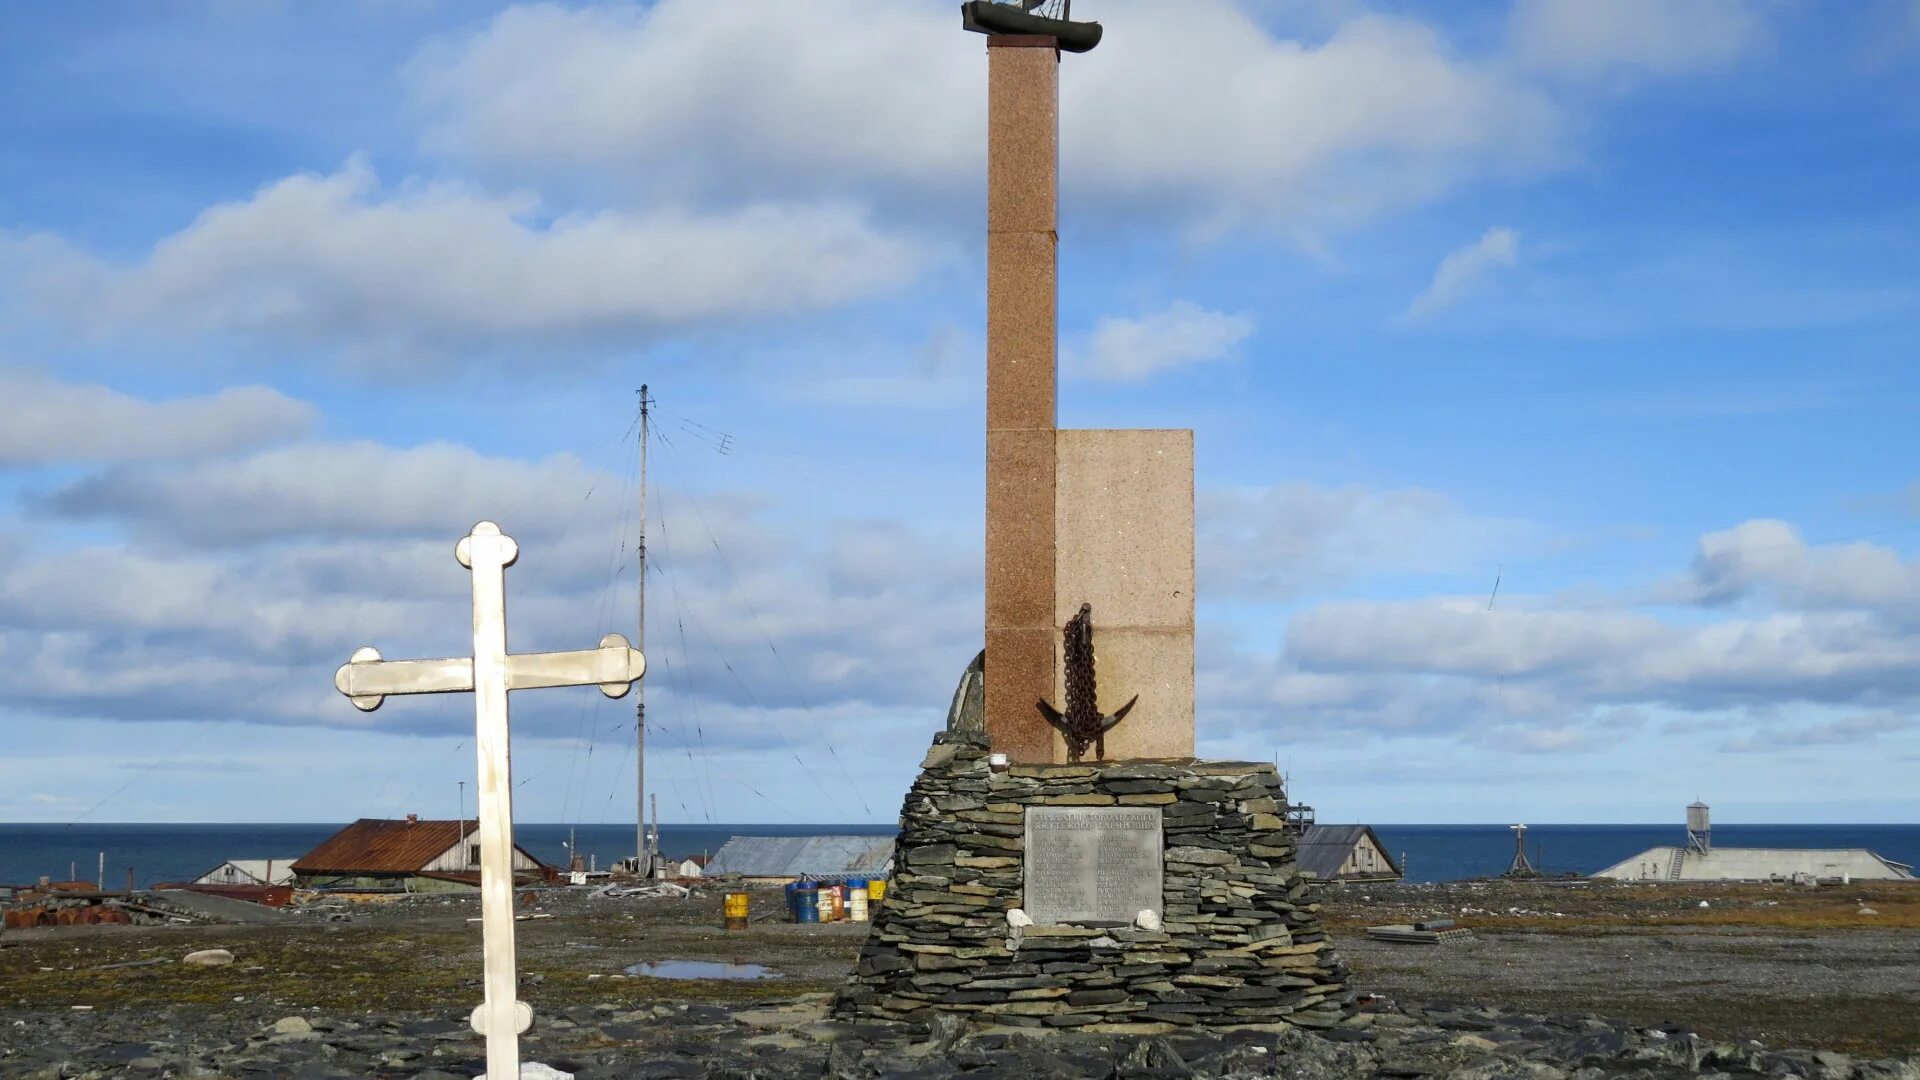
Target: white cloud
[
  {"x": 327, "y": 490},
  {"x": 412, "y": 275},
  {"x": 1132, "y": 349},
  {"x": 1226, "y": 121},
  {"x": 51, "y": 422},
  {"x": 241, "y": 584},
  {"x": 1657, "y": 37},
  {"x": 1466, "y": 269},
  {"x": 1274, "y": 543},
  {"x": 1822, "y": 649}
]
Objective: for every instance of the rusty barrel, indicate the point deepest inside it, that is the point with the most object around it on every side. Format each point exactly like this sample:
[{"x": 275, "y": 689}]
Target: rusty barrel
[
  {"x": 735, "y": 908},
  {"x": 876, "y": 890},
  {"x": 856, "y": 901}
]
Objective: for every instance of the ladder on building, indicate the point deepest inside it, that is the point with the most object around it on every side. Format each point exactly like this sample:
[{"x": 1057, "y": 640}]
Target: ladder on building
[{"x": 1673, "y": 868}]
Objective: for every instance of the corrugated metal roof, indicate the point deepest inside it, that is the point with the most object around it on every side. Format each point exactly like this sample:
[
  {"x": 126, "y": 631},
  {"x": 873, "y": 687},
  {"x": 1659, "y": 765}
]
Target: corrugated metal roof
[
  {"x": 1756, "y": 864},
  {"x": 384, "y": 846},
  {"x": 255, "y": 869},
  {"x": 1324, "y": 848},
  {"x": 804, "y": 856}
]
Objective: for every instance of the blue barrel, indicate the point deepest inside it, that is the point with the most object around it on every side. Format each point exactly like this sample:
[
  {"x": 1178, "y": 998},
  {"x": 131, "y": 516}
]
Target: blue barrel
[
  {"x": 787, "y": 891},
  {"x": 806, "y": 904}
]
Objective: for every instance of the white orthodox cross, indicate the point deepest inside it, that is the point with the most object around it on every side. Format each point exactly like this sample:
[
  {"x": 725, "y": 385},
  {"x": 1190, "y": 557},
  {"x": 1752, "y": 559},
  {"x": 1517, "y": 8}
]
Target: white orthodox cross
[{"x": 489, "y": 673}]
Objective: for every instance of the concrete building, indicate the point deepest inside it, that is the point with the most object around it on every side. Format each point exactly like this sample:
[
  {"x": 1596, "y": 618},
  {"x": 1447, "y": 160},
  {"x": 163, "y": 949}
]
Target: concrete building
[
  {"x": 811, "y": 858},
  {"x": 1700, "y": 860},
  {"x": 411, "y": 855},
  {"x": 1345, "y": 853}
]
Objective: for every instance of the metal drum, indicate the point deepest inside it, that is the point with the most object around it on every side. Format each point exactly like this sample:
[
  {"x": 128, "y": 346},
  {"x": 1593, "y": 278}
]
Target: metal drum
[
  {"x": 876, "y": 890},
  {"x": 857, "y": 903},
  {"x": 735, "y": 907},
  {"x": 806, "y": 904},
  {"x": 839, "y": 895}
]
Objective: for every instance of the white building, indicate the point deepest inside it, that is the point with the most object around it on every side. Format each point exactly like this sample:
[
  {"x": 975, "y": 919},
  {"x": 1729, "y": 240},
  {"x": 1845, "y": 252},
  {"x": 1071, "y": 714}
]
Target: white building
[
  {"x": 249, "y": 872},
  {"x": 1700, "y": 860}
]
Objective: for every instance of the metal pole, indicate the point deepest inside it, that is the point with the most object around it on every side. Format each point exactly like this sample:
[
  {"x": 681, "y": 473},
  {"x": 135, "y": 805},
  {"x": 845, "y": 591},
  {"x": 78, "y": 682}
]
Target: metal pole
[
  {"x": 100, "y": 878},
  {"x": 460, "y": 823},
  {"x": 643, "y": 861}
]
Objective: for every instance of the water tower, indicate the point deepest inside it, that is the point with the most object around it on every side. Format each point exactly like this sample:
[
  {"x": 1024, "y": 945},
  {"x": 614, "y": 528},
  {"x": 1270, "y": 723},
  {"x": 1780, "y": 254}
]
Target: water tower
[{"x": 1699, "y": 829}]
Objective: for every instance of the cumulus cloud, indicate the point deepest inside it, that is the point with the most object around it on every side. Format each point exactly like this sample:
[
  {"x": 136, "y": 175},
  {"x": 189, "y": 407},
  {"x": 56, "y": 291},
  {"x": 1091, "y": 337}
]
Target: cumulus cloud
[
  {"x": 1135, "y": 348},
  {"x": 1466, "y": 269},
  {"x": 1226, "y": 121},
  {"x": 417, "y": 273},
  {"x": 242, "y": 583},
  {"x": 51, "y": 422},
  {"x": 326, "y": 490},
  {"x": 1657, "y": 37},
  {"x": 1274, "y": 543},
  {"x": 1768, "y": 559},
  {"x": 1844, "y": 731}
]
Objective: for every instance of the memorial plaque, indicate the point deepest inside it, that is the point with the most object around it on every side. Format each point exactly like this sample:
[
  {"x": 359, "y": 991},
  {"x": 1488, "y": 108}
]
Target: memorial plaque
[{"x": 1092, "y": 864}]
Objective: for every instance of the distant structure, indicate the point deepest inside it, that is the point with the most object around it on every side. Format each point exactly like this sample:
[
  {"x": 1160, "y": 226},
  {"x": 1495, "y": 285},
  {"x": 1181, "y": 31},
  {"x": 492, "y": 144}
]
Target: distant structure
[
  {"x": 383, "y": 855},
  {"x": 811, "y": 858},
  {"x": 1345, "y": 853},
  {"x": 1699, "y": 828},
  {"x": 1699, "y": 860},
  {"x": 249, "y": 872},
  {"x": 1522, "y": 866}
]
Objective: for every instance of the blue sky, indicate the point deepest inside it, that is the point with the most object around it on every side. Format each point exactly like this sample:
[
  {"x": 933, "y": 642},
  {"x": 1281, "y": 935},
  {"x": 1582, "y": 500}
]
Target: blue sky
[{"x": 1613, "y": 303}]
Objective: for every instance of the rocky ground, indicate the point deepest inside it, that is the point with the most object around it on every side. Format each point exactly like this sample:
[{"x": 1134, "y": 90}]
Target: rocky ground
[{"x": 386, "y": 992}]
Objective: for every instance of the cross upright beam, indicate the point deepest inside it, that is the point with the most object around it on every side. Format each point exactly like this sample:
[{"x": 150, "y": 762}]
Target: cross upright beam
[{"x": 489, "y": 674}]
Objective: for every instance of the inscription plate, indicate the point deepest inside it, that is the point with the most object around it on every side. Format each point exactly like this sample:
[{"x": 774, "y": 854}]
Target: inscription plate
[{"x": 1092, "y": 863}]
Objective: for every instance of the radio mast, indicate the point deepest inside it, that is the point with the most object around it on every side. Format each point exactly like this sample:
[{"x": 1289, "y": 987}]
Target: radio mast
[{"x": 644, "y": 858}]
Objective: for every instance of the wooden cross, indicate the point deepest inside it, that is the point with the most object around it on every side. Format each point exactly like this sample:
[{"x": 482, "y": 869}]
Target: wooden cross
[{"x": 489, "y": 673}]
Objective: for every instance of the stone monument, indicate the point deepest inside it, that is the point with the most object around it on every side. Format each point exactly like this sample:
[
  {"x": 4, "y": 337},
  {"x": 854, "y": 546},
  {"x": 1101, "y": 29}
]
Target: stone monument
[
  {"x": 489, "y": 674},
  {"x": 1064, "y": 860}
]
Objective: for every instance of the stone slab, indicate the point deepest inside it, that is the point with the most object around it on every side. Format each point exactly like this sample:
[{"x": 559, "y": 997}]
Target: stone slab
[
  {"x": 1092, "y": 864},
  {"x": 1023, "y": 124},
  {"x": 1123, "y": 524},
  {"x": 1155, "y": 663},
  {"x": 1123, "y": 541}
]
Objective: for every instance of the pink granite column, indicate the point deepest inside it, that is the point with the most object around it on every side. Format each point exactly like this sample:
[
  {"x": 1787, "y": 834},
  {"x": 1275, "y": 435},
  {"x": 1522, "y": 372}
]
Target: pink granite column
[{"x": 1022, "y": 198}]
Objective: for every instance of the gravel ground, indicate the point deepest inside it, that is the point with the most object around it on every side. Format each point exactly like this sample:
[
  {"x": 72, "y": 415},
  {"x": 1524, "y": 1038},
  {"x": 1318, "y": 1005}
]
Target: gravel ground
[{"x": 385, "y": 992}]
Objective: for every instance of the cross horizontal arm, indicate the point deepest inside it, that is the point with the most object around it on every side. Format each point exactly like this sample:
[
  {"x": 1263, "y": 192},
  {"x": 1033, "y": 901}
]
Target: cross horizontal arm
[
  {"x": 612, "y": 667},
  {"x": 367, "y": 679}
]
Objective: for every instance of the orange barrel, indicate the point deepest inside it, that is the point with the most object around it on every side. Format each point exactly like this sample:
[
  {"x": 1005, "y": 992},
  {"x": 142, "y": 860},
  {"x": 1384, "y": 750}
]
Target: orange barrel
[
  {"x": 857, "y": 904},
  {"x": 736, "y": 911},
  {"x": 876, "y": 890},
  {"x": 839, "y": 902}
]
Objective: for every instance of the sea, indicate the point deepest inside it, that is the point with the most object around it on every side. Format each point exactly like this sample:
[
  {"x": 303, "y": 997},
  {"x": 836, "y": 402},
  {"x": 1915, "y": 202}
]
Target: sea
[{"x": 167, "y": 852}]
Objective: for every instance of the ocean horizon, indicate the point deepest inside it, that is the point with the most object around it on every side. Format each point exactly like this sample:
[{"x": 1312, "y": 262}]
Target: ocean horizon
[{"x": 158, "y": 852}]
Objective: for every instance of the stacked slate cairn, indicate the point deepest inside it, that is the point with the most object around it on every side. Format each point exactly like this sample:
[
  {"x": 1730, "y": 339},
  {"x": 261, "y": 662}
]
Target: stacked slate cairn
[{"x": 1238, "y": 945}]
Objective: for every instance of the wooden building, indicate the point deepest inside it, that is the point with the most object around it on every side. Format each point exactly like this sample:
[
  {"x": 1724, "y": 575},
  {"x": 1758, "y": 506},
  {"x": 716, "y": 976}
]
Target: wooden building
[
  {"x": 377, "y": 854},
  {"x": 1345, "y": 853}
]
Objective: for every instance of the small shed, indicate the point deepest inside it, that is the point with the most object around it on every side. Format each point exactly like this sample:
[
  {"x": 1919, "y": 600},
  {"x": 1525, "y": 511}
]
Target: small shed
[
  {"x": 249, "y": 872},
  {"x": 410, "y": 855},
  {"x": 1345, "y": 853},
  {"x": 811, "y": 858}
]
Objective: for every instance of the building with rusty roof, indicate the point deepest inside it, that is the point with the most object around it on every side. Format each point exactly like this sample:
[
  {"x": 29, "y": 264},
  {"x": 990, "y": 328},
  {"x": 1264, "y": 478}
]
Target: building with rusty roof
[{"x": 410, "y": 855}]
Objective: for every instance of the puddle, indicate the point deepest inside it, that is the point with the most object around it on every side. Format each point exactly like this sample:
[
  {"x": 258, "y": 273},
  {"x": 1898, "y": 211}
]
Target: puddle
[{"x": 702, "y": 969}]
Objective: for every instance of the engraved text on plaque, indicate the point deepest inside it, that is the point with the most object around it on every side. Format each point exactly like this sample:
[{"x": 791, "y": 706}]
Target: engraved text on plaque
[{"x": 1092, "y": 863}]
